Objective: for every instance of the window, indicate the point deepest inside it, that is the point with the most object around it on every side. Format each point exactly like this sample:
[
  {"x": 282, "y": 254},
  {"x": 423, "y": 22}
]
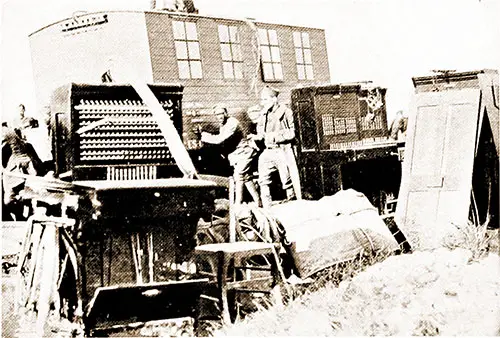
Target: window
[
  {"x": 187, "y": 49},
  {"x": 270, "y": 53},
  {"x": 303, "y": 55},
  {"x": 232, "y": 61}
]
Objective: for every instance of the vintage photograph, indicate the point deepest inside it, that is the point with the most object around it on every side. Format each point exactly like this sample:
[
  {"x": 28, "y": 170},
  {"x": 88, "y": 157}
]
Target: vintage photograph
[{"x": 250, "y": 168}]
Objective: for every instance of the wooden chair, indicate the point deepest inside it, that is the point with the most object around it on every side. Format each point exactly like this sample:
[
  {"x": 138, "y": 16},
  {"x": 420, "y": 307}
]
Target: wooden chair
[{"x": 230, "y": 266}]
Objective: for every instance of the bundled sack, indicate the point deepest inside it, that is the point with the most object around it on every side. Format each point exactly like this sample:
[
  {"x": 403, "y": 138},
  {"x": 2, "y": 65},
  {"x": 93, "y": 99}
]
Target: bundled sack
[{"x": 332, "y": 230}]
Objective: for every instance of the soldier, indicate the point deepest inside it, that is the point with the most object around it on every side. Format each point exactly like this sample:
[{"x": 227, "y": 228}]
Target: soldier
[
  {"x": 240, "y": 152},
  {"x": 276, "y": 130}
]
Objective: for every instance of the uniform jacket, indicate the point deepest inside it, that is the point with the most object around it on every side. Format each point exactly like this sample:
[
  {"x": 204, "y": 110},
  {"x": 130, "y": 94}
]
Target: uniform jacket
[{"x": 276, "y": 128}]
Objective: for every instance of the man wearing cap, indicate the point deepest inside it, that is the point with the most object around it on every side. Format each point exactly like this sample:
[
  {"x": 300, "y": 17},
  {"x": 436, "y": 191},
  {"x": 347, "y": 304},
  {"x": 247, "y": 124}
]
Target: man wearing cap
[
  {"x": 240, "y": 152},
  {"x": 276, "y": 130}
]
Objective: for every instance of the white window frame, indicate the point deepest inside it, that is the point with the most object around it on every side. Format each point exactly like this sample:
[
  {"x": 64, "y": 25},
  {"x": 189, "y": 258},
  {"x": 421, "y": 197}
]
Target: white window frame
[
  {"x": 230, "y": 47},
  {"x": 303, "y": 55},
  {"x": 187, "y": 49},
  {"x": 272, "y": 67}
]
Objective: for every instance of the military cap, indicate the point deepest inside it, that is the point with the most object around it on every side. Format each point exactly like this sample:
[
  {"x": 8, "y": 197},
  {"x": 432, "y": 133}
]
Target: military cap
[{"x": 270, "y": 91}]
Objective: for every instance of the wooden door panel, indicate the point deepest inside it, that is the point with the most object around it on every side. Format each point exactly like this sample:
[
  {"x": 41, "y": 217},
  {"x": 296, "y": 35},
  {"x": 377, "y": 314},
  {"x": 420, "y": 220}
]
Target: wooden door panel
[
  {"x": 460, "y": 143},
  {"x": 453, "y": 207},
  {"x": 422, "y": 207},
  {"x": 437, "y": 172},
  {"x": 427, "y": 144}
]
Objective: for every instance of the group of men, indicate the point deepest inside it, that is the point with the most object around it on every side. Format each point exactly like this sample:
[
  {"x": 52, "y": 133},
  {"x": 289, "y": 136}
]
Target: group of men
[
  {"x": 23, "y": 152},
  {"x": 271, "y": 145}
]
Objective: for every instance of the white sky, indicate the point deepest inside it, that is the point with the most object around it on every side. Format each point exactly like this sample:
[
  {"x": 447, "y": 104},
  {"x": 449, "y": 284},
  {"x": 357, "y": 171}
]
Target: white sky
[{"x": 386, "y": 41}]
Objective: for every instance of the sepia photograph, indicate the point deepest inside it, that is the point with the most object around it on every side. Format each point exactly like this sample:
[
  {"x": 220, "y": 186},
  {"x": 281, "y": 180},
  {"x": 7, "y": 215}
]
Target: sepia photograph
[{"x": 250, "y": 168}]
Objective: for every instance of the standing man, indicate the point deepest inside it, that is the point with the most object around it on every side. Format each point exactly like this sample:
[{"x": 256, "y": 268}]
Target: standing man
[
  {"x": 239, "y": 151},
  {"x": 22, "y": 160},
  {"x": 21, "y": 121},
  {"x": 277, "y": 131}
]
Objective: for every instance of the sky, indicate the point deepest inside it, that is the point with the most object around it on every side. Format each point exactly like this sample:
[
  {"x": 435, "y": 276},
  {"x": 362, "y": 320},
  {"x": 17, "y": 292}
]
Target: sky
[{"x": 384, "y": 41}]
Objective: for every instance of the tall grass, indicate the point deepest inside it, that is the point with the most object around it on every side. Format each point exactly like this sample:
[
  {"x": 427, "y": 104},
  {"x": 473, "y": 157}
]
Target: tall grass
[{"x": 472, "y": 237}]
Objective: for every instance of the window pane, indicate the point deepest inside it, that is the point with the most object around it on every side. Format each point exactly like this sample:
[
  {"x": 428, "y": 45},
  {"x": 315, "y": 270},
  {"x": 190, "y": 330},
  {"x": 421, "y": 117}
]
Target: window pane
[
  {"x": 194, "y": 50},
  {"x": 228, "y": 70},
  {"x": 296, "y": 39},
  {"x": 196, "y": 69},
  {"x": 305, "y": 40},
  {"x": 191, "y": 31},
  {"x": 278, "y": 72},
  {"x": 273, "y": 38},
  {"x": 179, "y": 33},
  {"x": 236, "y": 52},
  {"x": 300, "y": 72},
  {"x": 183, "y": 69},
  {"x": 225, "y": 51},
  {"x": 238, "y": 70},
  {"x": 223, "y": 33},
  {"x": 268, "y": 71},
  {"x": 263, "y": 36},
  {"x": 266, "y": 54},
  {"x": 275, "y": 54},
  {"x": 309, "y": 72},
  {"x": 307, "y": 57},
  {"x": 233, "y": 30},
  {"x": 181, "y": 50},
  {"x": 299, "y": 56}
]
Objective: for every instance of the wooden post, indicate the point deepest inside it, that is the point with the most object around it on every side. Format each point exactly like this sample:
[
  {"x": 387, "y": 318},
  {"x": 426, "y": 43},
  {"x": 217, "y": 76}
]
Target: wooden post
[{"x": 232, "y": 214}]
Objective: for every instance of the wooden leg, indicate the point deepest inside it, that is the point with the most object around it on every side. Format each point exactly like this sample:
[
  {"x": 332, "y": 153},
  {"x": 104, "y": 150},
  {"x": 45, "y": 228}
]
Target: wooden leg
[
  {"x": 48, "y": 276},
  {"x": 222, "y": 270}
]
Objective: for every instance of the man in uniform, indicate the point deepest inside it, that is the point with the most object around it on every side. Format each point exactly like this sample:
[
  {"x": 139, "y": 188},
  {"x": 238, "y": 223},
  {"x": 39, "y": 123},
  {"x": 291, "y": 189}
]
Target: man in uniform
[
  {"x": 276, "y": 130},
  {"x": 240, "y": 152}
]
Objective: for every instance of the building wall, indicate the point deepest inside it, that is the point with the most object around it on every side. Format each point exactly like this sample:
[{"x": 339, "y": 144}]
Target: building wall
[
  {"x": 141, "y": 44},
  {"x": 213, "y": 88},
  {"x": 84, "y": 54}
]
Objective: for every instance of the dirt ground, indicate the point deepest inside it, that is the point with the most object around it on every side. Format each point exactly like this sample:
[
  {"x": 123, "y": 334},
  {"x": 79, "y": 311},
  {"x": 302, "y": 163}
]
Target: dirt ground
[{"x": 442, "y": 292}]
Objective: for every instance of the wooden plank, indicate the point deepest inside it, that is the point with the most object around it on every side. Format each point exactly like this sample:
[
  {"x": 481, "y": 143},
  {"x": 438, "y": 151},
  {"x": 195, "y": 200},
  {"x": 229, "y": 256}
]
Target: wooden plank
[{"x": 167, "y": 128}]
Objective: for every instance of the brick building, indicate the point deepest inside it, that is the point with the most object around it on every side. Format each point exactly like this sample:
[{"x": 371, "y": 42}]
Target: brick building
[{"x": 218, "y": 60}]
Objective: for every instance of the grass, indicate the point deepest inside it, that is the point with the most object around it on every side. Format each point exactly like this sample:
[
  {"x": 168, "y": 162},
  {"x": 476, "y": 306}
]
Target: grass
[
  {"x": 272, "y": 311},
  {"x": 472, "y": 237},
  {"x": 426, "y": 293}
]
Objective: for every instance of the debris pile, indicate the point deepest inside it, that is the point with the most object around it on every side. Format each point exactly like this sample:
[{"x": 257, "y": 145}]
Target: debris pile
[{"x": 443, "y": 292}]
